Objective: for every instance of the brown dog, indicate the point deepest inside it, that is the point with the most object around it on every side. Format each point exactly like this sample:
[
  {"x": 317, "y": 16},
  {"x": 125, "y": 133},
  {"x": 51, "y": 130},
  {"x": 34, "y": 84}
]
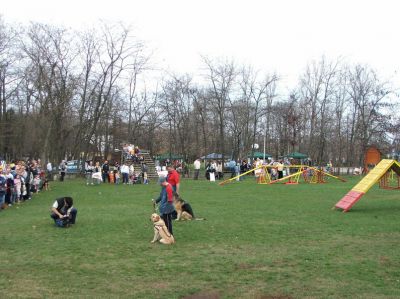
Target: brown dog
[
  {"x": 161, "y": 232},
  {"x": 181, "y": 209}
]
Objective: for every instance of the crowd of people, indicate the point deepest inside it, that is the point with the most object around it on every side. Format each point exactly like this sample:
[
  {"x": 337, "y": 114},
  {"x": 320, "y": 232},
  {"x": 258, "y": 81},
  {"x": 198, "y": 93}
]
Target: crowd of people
[
  {"x": 132, "y": 152},
  {"x": 115, "y": 174},
  {"x": 19, "y": 180}
]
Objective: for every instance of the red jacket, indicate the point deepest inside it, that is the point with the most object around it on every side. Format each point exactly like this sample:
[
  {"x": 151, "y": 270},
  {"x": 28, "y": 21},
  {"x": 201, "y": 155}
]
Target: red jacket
[
  {"x": 173, "y": 177},
  {"x": 169, "y": 190}
]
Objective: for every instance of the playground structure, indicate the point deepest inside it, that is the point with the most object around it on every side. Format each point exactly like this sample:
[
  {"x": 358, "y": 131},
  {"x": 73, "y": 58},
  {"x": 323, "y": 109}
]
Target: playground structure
[
  {"x": 309, "y": 174},
  {"x": 382, "y": 173}
]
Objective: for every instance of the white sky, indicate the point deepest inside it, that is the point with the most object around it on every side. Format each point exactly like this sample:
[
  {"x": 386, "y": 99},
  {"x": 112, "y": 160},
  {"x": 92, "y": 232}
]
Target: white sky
[{"x": 279, "y": 36}]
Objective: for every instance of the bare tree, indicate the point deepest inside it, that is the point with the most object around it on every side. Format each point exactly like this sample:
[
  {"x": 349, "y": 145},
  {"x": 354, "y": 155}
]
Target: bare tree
[
  {"x": 221, "y": 76},
  {"x": 260, "y": 93},
  {"x": 368, "y": 95}
]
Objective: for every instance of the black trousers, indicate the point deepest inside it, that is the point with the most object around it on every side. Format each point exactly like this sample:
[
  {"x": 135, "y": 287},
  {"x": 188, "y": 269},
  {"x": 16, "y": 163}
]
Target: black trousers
[
  {"x": 28, "y": 191},
  {"x": 168, "y": 221}
]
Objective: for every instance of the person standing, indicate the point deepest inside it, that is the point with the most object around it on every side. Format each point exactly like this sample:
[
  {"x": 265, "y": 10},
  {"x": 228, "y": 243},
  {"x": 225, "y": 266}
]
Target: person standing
[
  {"x": 89, "y": 172},
  {"x": 105, "y": 169},
  {"x": 10, "y": 188},
  {"x": 173, "y": 178},
  {"x": 279, "y": 167},
  {"x": 131, "y": 173},
  {"x": 28, "y": 181},
  {"x": 258, "y": 172},
  {"x": 63, "y": 168},
  {"x": 166, "y": 207},
  {"x": 196, "y": 166},
  {"x": 243, "y": 169},
  {"x": 96, "y": 176},
  {"x": 3, "y": 188},
  {"x": 144, "y": 171},
  {"x": 220, "y": 172},
  {"x": 125, "y": 173},
  {"x": 49, "y": 169}
]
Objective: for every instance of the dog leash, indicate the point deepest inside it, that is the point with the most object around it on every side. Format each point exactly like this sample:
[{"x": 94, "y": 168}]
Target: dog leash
[{"x": 162, "y": 227}]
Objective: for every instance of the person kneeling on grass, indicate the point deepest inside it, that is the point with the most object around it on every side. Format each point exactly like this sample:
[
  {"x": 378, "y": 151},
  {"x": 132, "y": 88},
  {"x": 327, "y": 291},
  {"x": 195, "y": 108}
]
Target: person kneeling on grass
[{"x": 63, "y": 212}]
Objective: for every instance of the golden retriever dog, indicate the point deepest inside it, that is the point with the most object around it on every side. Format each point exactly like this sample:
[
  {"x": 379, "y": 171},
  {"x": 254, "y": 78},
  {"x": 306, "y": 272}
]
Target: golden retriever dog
[{"x": 161, "y": 232}]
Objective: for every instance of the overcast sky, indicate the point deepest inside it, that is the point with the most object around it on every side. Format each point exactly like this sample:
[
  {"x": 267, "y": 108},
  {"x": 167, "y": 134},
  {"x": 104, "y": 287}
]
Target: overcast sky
[{"x": 279, "y": 36}]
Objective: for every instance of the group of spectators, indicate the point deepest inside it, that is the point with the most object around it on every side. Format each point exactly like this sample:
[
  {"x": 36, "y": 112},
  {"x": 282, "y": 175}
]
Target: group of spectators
[
  {"x": 19, "y": 180},
  {"x": 116, "y": 174},
  {"x": 132, "y": 152},
  {"x": 180, "y": 166},
  {"x": 236, "y": 168}
]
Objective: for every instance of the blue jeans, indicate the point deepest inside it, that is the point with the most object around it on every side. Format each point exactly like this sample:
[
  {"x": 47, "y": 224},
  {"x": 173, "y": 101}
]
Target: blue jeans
[
  {"x": 72, "y": 216},
  {"x": 125, "y": 178},
  {"x": 105, "y": 177},
  {"x": 14, "y": 197},
  {"x": 2, "y": 198}
]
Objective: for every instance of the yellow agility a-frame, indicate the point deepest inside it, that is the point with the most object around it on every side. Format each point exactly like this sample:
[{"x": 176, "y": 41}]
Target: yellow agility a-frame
[{"x": 378, "y": 173}]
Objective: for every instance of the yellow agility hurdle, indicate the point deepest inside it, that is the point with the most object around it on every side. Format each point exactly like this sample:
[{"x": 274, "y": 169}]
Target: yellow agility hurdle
[{"x": 317, "y": 175}]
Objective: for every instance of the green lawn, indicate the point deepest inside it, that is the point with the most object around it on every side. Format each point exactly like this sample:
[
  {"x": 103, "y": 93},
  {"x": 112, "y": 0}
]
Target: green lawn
[{"x": 259, "y": 241}]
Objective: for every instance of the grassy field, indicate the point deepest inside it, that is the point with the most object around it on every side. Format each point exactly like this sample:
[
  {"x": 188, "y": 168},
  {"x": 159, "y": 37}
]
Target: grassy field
[{"x": 258, "y": 241}]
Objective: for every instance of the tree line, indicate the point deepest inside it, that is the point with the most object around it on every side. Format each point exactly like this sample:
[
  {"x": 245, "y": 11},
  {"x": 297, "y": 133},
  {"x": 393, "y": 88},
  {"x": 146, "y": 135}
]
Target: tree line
[{"x": 73, "y": 94}]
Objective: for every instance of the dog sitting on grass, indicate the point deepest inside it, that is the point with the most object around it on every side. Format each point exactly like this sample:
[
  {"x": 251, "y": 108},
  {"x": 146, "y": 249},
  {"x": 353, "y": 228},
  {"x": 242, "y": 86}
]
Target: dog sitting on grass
[
  {"x": 183, "y": 209},
  {"x": 161, "y": 232}
]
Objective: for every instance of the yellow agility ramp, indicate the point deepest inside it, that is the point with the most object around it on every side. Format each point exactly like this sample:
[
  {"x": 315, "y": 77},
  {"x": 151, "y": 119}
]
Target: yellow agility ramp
[{"x": 367, "y": 182}]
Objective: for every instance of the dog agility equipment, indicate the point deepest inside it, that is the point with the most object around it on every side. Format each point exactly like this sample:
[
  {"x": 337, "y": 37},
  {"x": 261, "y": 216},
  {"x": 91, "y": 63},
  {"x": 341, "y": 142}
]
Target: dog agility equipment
[{"x": 381, "y": 172}]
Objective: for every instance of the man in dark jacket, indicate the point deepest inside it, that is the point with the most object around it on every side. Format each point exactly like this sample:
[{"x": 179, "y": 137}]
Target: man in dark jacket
[
  {"x": 104, "y": 171},
  {"x": 63, "y": 212}
]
